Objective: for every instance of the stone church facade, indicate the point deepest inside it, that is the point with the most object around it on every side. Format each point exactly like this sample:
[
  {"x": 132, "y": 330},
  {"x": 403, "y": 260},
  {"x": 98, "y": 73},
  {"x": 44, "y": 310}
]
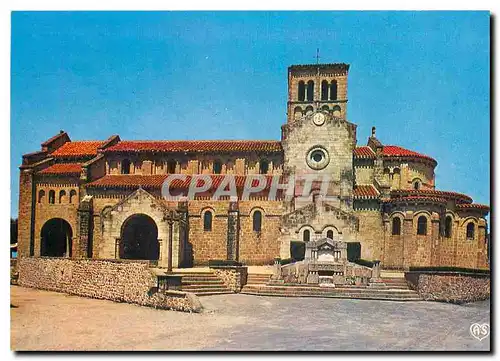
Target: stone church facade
[{"x": 103, "y": 199}]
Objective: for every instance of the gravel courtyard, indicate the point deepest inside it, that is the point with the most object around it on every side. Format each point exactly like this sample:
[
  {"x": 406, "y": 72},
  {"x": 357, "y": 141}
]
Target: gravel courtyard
[{"x": 42, "y": 320}]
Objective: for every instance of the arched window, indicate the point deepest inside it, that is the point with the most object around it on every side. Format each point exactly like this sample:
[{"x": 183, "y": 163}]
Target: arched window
[
  {"x": 447, "y": 226},
  {"x": 306, "y": 235},
  {"x": 310, "y": 91},
  {"x": 125, "y": 166},
  {"x": 257, "y": 221},
  {"x": 41, "y": 196},
  {"x": 422, "y": 226},
  {"x": 263, "y": 167},
  {"x": 333, "y": 90},
  {"x": 326, "y": 108},
  {"x": 470, "y": 230},
  {"x": 171, "y": 166},
  {"x": 329, "y": 234},
  {"x": 336, "y": 111},
  {"x": 72, "y": 196},
  {"x": 309, "y": 110},
  {"x": 217, "y": 167},
  {"x": 396, "y": 226},
  {"x": 62, "y": 196},
  {"x": 207, "y": 221},
  {"x": 52, "y": 197},
  {"x": 302, "y": 91},
  {"x": 416, "y": 184},
  {"x": 324, "y": 90}
]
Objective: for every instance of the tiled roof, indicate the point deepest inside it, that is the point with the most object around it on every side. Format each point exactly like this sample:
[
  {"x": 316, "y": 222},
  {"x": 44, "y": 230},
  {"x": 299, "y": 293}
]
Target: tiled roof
[
  {"x": 473, "y": 206},
  {"x": 197, "y": 146},
  {"x": 420, "y": 199},
  {"x": 364, "y": 152},
  {"x": 63, "y": 169},
  {"x": 133, "y": 181},
  {"x": 396, "y": 151},
  {"x": 365, "y": 192},
  {"x": 457, "y": 197},
  {"x": 77, "y": 149}
]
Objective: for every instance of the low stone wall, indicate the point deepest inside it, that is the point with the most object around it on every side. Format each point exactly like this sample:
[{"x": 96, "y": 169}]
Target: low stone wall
[
  {"x": 115, "y": 280},
  {"x": 234, "y": 277},
  {"x": 450, "y": 287}
]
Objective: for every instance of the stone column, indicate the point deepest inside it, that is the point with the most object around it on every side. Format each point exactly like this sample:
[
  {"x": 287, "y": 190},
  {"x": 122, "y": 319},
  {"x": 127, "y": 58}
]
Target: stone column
[
  {"x": 408, "y": 239},
  {"x": 84, "y": 247},
  {"x": 233, "y": 222},
  {"x": 185, "y": 252}
]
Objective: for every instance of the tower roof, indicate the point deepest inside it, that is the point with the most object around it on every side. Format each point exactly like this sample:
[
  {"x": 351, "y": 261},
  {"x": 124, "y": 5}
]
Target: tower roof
[{"x": 341, "y": 67}]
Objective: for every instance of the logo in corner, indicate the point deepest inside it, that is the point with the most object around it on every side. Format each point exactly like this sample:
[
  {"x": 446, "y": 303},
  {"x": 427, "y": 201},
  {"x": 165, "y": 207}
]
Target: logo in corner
[{"x": 480, "y": 332}]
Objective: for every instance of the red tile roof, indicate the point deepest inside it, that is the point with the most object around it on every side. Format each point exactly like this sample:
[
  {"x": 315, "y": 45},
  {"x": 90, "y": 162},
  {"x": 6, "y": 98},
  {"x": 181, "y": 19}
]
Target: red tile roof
[
  {"x": 364, "y": 152},
  {"x": 419, "y": 199},
  {"x": 63, "y": 169},
  {"x": 156, "y": 181},
  {"x": 197, "y": 146},
  {"x": 365, "y": 191},
  {"x": 396, "y": 151},
  {"x": 473, "y": 206},
  {"x": 77, "y": 149},
  {"x": 457, "y": 197}
]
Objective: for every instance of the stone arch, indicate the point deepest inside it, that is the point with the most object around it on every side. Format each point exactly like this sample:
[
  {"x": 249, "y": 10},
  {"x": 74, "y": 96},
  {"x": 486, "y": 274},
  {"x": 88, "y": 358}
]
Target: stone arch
[
  {"x": 422, "y": 221},
  {"x": 330, "y": 230},
  {"x": 309, "y": 110},
  {"x": 52, "y": 196},
  {"x": 72, "y": 196},
  {"x": 470, "y": 230},
  {"x": 467, "y": 220},
  {"x": 324, "y": 90},
  {"x": 257, "y": 215},
  {"x": 56, "y": 238},
  {"x": 41, "y": 196},
  {"x": 62, "y": 196},
  {"x": 207, "y": 218},
  {"x": 416, "y": 183},
  {"x": 325, "y": 108},
  {"x": 297, "y": 113},
  {"x": 139, "y": 238},
  {"x": 333, "y": 90},
  {"x": 448, "y": 225},
  {"x": 336, "y": 111},
  {"x": 301, "y": 91}
]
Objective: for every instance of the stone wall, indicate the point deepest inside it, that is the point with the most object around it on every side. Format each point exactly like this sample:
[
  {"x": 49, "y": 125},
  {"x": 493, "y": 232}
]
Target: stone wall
[
  {"x": 120, "y": 281},
  {"x": 234, "y": 277},
  {"x": 450, "y": 287}
]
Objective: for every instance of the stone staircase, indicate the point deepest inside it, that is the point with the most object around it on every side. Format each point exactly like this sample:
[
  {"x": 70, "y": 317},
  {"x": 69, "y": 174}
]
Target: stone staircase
[
  {"x": 391, "y": 289},
  {"x": 257, "y": 278},
  {"x": 395, "y": 283},
  {"x": 327, "y": 292},
  {"x": 203, "y": 284}
]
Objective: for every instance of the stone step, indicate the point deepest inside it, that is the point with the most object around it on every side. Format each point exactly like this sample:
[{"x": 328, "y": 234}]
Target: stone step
[
  {"x": 205, "y": 281},
  {"x": 333, "y": 293},
  {"x": 202, "y": 287},
  {"x": 318, "y": 289},
  {"x": 213, "y": 293},
  {"x": 196, "y": 279},
  {"x": 339, "y": 295},
  {"x": 204, "y": 291}
]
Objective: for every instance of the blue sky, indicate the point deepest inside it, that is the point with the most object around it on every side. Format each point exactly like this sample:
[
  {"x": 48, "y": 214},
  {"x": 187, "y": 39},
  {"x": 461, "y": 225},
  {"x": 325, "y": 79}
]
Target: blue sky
[{"x": 422, "y": 78}]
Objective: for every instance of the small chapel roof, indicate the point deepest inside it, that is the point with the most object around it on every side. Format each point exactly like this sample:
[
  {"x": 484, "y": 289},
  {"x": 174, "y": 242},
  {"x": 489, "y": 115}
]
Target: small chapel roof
[
  {"x": 77, "y": 149},
  {"x": 63, "y": 169}
]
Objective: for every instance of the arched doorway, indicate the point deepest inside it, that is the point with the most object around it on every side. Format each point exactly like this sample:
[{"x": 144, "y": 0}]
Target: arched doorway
[
  {"x": 139, "y": 238},
  {"x": 56, "y": 238}
]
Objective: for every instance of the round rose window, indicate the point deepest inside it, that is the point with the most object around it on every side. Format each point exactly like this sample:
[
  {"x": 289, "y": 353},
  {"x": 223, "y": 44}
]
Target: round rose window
[{"x": 317, "y": 158}]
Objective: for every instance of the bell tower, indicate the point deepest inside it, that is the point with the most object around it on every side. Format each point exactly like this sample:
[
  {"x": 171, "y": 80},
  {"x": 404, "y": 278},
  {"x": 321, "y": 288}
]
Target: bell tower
[{"x": 317, "y": 87}]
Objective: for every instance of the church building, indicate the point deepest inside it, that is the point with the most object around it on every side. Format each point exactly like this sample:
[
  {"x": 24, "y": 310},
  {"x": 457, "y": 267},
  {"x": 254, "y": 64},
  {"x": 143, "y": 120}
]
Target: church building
[{"x": 103, "y": 198}]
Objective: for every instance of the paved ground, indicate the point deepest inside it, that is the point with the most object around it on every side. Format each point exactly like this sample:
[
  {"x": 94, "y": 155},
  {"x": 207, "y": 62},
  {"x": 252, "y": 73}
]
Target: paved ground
[{"x": 53, "y": 321}]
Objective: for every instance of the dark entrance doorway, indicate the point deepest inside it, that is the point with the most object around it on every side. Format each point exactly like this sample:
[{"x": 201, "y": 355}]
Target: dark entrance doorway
[
  {"x": 139, "y": 238},
  {"x": 56, "y": 238}
]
